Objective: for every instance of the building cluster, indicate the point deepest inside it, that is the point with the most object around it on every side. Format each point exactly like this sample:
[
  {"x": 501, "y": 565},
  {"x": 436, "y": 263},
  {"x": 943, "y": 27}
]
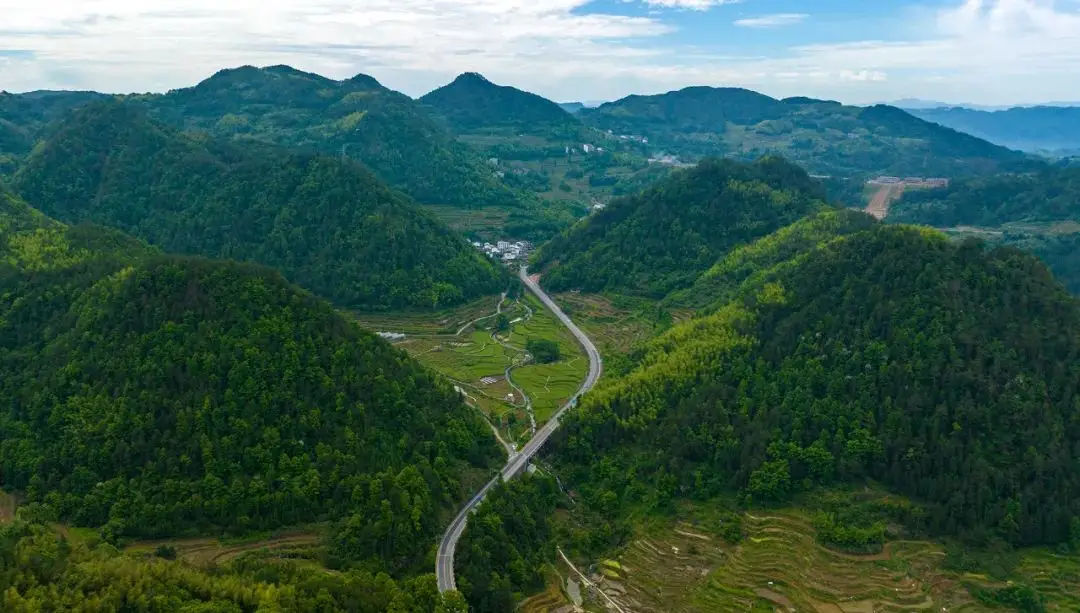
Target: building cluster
[
  {"x": 667, "y": 159},
  {"x": 507, "y": 251},
  {"x": 636, "y": 139},
  {"x": 910, "y": 181},
  {"x": 586, "y": 148}
]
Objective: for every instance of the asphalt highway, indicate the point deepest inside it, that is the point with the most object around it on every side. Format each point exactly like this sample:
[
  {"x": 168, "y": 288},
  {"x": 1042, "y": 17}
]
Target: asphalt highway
[{"x": 444, "y": 562}]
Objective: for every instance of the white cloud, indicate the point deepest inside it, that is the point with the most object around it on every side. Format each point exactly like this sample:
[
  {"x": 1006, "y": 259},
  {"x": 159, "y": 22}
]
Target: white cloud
[
  {"x": 977, "y": 50},
  {"x": 772, "y": 21},
  {"x": 696, "y": 5}
]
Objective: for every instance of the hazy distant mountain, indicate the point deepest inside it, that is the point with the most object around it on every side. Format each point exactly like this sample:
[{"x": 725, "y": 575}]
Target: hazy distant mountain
[
  {"x": 825, "y": 137},
  {"x": 916, "y": 103},
  {"x": 1040, "y": 128}
]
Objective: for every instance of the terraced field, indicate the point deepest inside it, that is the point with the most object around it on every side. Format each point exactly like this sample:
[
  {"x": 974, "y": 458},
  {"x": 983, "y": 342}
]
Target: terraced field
[
  {"x": 779, "y": 566},
  {"x": 209, "y": 551}
]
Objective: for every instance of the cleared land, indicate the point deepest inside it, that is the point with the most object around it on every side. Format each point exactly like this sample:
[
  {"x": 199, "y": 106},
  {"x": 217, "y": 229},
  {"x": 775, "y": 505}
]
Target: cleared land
[
  {"x": 463, "y": 346},
  {"x": 684, "y": 566},
  {"x": 883, "y": 199}
]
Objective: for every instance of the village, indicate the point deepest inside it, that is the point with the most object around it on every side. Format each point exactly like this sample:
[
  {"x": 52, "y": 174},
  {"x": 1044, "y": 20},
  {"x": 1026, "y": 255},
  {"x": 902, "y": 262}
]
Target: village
[{"x": 506, "y": 251}]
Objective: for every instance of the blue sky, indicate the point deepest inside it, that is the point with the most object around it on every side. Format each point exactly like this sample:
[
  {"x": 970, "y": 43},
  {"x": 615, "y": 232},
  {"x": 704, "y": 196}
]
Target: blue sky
[{"x": 857, "y": 51}]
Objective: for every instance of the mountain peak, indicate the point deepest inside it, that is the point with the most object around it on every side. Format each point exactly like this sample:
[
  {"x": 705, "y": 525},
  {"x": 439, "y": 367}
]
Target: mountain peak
[
  {"x": 471, "y": 77},
  {"x": 472, "y": 101}
]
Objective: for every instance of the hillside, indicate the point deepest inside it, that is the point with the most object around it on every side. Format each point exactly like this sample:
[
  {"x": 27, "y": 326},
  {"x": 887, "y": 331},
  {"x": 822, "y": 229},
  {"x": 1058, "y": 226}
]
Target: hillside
[
  {"x": 471, "y": 102},
  {"x": 358, "y": 117},
  {"x": 1039, "y": 128},
  {"x": 40, "y": 570},
  {"x": 661, "y": 239},
  {"x": 24, "y": 117},
  {"x": 825, "y": 137},
  {"x": 328, "y": 225},
  {"x": 1052, "y": 195},
  {"x": 943, "y": 370},
  {"x": 161, "y": 395},
  {"x": 764, "y": 257}
]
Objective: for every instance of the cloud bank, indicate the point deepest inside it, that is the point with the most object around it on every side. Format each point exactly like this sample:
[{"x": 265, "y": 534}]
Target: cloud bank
[{"x": 974, "y": 50}]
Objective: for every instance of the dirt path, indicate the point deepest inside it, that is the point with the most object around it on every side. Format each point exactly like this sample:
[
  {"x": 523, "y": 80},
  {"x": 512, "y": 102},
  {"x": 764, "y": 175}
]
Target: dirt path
[{"x": 879, "y": 206}]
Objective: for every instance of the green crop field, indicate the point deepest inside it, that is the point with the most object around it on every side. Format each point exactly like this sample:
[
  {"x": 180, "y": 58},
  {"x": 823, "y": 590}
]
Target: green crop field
[{"x": 476, "y": 361}]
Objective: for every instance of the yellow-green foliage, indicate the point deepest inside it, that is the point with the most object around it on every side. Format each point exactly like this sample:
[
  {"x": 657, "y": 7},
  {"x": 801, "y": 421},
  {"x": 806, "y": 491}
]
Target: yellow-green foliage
[
  {"x": 350, "y": 121},
  {"x": 42, "y": 249}
]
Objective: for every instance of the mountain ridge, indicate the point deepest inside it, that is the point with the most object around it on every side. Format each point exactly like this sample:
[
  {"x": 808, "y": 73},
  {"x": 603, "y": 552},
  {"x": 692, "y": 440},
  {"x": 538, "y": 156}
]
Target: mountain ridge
[{"x": 329, "y": 225}]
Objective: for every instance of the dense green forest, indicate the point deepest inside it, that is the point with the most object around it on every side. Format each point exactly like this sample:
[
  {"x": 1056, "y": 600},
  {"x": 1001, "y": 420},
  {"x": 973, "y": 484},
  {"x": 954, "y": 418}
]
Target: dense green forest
[
  {"x": 24, "y": 118},
  {"x": 826, "y": 137},
  {"x": 661, "y": 239},
  {"x": 506, "y": 544},
  {"x": 328, "y": 225},
  {"x": 358, "y": 117},
  {"x": 42, "y": 572},
  {"x": 159, "y": 395},
  {"x": 472, "y": 102},
  {"x": 1038, "y": 128},
  {"x": 720, "y": 284},
  {"x": 946, "y": 371},
  {"x": 1047, "y": 196}
]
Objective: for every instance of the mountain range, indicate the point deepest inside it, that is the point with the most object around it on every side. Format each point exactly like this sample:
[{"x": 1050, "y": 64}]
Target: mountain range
[
  {"x": 1038, "y": 129},
  {"x": 328, "y": 224}
]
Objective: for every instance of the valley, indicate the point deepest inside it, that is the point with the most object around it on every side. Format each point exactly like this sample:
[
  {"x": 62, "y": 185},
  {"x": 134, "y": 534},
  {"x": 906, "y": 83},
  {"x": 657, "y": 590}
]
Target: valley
[{"x": 280, "y": 342}]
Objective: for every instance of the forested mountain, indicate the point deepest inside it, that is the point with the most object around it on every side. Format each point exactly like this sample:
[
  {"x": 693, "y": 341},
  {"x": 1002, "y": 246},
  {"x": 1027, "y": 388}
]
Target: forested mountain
[
  {"x": 23, "y": 118},
  {"x": 160, "y": 395},
  {"x": 948, "y": 372},
  {"x": 472, "y": 102},
  {"x": 825, "y": 137},
  {"x": 661, "y": 239},
  {"x": 1048, "y": 196},
  {"x": 1037, "y": 128},
  {"x": 762, "y": 258},
  {"x": 329, "y": 225},
  {"x": 358, "y": 117}
]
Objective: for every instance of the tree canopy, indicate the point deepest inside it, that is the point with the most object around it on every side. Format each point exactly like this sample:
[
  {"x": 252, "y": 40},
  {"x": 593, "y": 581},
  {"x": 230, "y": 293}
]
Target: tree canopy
[
  {"x": 1047, "y": 196},
  {"x": 328, "y": 225},
  {"x": 661, "y": 239},
  {"x": 357, "y": 117},
  {"x": 43, "y": 572},
  {"x": 945, "y": 370},
  {"x": 826, "y": 137},
  {"x": 471, "y": 102},
  {"x": 159, "y": 395}
]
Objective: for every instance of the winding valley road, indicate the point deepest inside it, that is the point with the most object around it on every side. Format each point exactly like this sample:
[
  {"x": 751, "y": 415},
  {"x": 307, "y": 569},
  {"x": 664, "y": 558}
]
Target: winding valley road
[{"x": 444, "y": 562}]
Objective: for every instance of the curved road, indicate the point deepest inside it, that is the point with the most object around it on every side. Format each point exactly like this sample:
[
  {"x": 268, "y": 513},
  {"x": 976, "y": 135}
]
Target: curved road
[{"x": 444, "y": 562}]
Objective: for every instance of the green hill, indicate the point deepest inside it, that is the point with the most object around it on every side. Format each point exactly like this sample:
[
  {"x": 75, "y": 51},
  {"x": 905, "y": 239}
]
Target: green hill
[
  {"x": 661, "y": 239},
  {"x": 328, "y": 225},
  {"x": 1052, "y": 195},
  {"x": 358, "y": 117},
  {"x": 24, "y": 118},
  {"x": 472, "y": 102},
  {"x": 162, "y": 395},
  {"x": 945, "y": 371},
  {"x": 1040, "y": 128},
  {"x": 762, "y": 258},
  {"x": 823, "y": 136}
]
